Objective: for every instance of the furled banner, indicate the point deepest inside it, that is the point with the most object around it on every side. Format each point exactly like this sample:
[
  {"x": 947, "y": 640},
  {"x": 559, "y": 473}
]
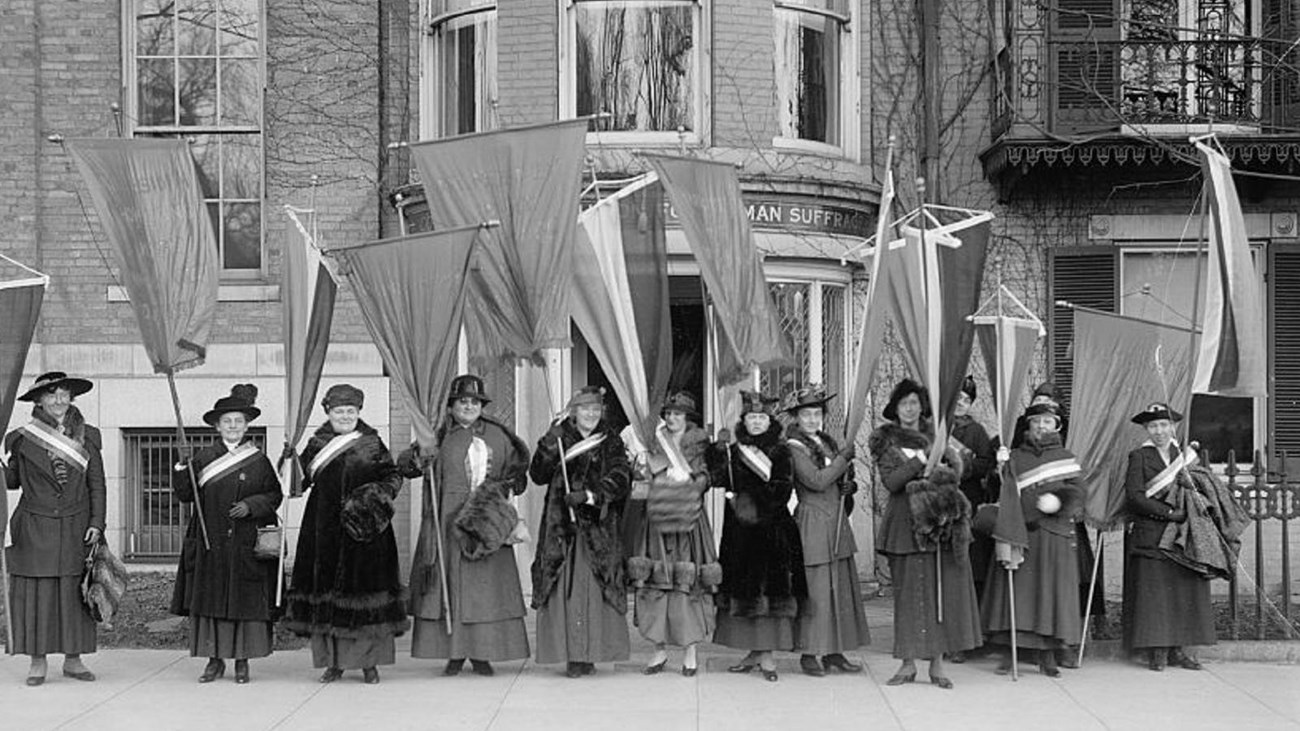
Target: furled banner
[
  {"x": 1233, "y": 356},
  {"x": 610, "y": 319},
  {"x": 307, "y": 292},
  {"x": 871, "y": 338},
  {"x": 528, "y": 179},
  {"x": 146, "y": 192},
  {"x": 706, "y": 196},
  {"x": 1121, "y": 364},
  {"x": 1008, "y": 346}
]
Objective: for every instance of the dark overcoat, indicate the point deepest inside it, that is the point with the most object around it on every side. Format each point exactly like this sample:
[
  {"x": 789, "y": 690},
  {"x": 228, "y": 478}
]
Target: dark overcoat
[
  {"x": 226, "y": 581},
  {"x": 486, "y": 589},
  {"x": 761, "y": 554},
  {"x": 606, "y": 474},
  {"x": 48, "y": 526},
  {"x": 342, "y": 587},
  {"x": 1150, "y": 515}
]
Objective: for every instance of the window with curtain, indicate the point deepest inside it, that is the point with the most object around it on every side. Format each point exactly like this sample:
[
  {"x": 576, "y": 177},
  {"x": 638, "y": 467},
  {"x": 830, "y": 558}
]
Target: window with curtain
[
  {"x": 638, "y": 63},
  {"x": 810, "y": 38},
  {"x": 813, "y": 318},
  {"x": 194, "y": 70},
  {"x": 463, "y": 52}
]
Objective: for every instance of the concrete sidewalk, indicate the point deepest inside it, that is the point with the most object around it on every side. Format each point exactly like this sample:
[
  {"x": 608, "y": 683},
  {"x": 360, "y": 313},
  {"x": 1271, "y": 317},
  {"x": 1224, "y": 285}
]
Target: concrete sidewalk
[{"x": 156, "y": 689}]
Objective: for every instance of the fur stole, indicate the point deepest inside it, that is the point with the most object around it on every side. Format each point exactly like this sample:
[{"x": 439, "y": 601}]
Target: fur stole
[
  {"x": 767, "y": 441},
  {"x": 892, "y": 434},
  {"x": 940, "y": 513}
]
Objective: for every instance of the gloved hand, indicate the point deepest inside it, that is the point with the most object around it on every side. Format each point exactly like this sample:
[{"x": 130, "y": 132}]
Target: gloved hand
[
  {"x": 92, "y": 536},
  {"x": 848, "y": 487},
  {"x": 576, "y": 498},
  {"x": 724, "y": 436},
  {"x": 239, "y": 510},
  {"x": 1004, "y": 455},
  {"x": 848, "y": 451}
]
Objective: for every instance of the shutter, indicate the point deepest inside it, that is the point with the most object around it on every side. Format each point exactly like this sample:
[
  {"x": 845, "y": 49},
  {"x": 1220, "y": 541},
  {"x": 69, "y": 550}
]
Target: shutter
[
  {"x": 1080, "y": 275},
  {"x": 1085, "y": 65},
  {"x": 1284, "y": 349}
]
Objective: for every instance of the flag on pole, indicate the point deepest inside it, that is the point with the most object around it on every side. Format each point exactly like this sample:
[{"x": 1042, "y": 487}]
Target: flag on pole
[
  {"x": 607, "y": 314},
  {"x": 1121, "y": 364},
  {"x": 706, "y": 196},
  {"x": 1233, "y": 356},
  {"x": 1008, "y": 346},
  {"x": 871, "y": 340},
  {"x": 307, "y": 292},
  {"x": 147, "y": 195},
  {"x": 528, "y": 179}
]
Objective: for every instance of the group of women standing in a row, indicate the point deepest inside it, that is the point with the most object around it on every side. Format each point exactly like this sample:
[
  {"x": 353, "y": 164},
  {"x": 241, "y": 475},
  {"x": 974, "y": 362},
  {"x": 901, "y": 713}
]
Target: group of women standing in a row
[{"x": 780, "y": 582}]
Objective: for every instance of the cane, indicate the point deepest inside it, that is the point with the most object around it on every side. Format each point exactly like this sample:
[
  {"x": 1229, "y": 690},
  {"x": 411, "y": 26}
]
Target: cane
[{"x": 4, "y": 565}]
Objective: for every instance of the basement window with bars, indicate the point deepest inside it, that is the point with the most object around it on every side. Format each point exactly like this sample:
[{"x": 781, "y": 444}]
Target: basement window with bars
[{"x": 155, "y": 519}]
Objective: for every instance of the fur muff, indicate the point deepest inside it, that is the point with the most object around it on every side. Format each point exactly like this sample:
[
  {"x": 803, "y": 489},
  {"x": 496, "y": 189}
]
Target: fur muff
[
  {"x": 711, "y": 575},
  {"x": 940, "y": 513},
  {"x": 485, "y": 522},
  {"x": 638, "y": 570},
  {"x": 104, "y": 585},
  {"x": 367, "y": 512}
]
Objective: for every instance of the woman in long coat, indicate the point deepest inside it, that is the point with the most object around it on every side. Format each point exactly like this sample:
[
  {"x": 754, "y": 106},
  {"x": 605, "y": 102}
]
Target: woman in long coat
[
  {"x": 579, "y": 583},
  {"x": 226, "y": 591},
  {"x": 346, "y": 593},
  {"x": 763, "y": 580},
  {"x": 675, "y": 605},
  {"x": 479, "y": 465},
  {"x": 910, "y": 536},
  {"x": 55, "y": 460},
  {"x": 1166, "y": 605},
  {"x": 832, "y": 620},
  {"x": 1047, "y": 581}
]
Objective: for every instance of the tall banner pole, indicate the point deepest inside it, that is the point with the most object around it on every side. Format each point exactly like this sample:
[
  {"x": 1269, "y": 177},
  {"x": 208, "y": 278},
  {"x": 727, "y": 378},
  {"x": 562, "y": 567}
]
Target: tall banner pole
[
  {"x": 1092, "y": 592},
  {"x": 189, "y": 463}
]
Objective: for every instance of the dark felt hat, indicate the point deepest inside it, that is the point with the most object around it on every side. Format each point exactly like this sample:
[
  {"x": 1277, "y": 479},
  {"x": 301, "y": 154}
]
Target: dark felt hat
[
  {"x": 811, "y": 395},
  {"x": 242, "y": 397},
  {"x": 680, "y": 401},
  {"x": 55, "y": 379},
  {"x": 1043, "y": 409},
  {"x": 468, "y": 386},
  {"x": 1048, "y": 390},
  {"x": 753, "y": 402},
  {"x": 343, "y": 394},
  {"x": 587, "y": 396},
  {"x": 905, "y": 388},
  {"x": 1156, "y": 411}
]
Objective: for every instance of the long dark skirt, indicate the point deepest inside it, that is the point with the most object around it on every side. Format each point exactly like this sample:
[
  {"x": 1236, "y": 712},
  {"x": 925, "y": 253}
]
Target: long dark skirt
[
  {"x": 328, "y": 651},
  {"x": 917, "y": 631},
  {"x": 832, "y": 619},
  {"x": 230, "y": 638},
  {"x": 755, "y": 634},
  {"x": 576, "y": 624},
  {"x": 1166, "y": 605},
  {"x": 1047, "y": 596},
  {"x": 49, "y": 616}
]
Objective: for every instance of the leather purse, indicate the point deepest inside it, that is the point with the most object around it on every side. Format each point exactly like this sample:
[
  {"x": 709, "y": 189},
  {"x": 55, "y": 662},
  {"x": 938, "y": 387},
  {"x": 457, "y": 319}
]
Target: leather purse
[{"x": 270, "y": 541}]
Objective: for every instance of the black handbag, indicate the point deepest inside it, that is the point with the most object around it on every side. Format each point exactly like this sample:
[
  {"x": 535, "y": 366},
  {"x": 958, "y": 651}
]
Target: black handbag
[{"x": 270, "y": 542}]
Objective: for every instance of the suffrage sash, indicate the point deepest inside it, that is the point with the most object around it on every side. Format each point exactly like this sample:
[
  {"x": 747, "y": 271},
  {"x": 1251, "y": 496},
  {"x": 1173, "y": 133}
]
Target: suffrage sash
[
  {"x": 336, "y": 446},
  {"x": 56, "y": 441},
  {"x": 227, "y": 463},
  {"x": 584, "y": 446},
  {"x": 672, "y": 452},
  {"x": 1057, "y": 469},
  {"x": 1161, "y": 482},
  {"x": 758, "y": 462}
]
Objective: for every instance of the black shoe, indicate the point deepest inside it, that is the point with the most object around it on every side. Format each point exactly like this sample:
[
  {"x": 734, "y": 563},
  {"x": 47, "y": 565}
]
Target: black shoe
[
  {"x": 769, "y": 675},
  {"x": 573, "y": 670},
  {"x": 588, "y": 668},
  {"x": 656, "y": 668},
  {"x": 742, "y": 667},
  {"x": 902, "y": 678},
  {"x": 482, "y": 667},
  {"x": 1068, "y": 658},
  {"x": 453, "y": 667},
  {"x": 1157, "y": 660},
  {"x": 942, "y": 681},
  {"x": 689, "y": 672},
  {"x": 809, "y": 665},
  {"x": 83, "y": 675},
  {"x": 331, "y": 674},
  {"x": 213, "y": 670},
  {"x": 370, "y": 676},
  {"x": 241, "y": 672},
  {"x": 1047, "y": 663},
  {"x": 1181, "y": 659},
  {"x": 840, "y": 663},
  {"x": 35, "y": 680}
]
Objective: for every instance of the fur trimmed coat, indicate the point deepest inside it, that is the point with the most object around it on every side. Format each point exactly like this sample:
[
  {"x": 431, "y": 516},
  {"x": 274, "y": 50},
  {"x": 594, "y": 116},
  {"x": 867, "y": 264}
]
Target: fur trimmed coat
[
  {"x": 822, "y": 480},
  {"x": 50, "y": 521},
  {"x": 227, "y": 581},
  {"x": 920, "y": 513},
  {"x": 605, "y": 473},
  {"x": 761, "y": 554},
  {"x": 341, "y": 587}
]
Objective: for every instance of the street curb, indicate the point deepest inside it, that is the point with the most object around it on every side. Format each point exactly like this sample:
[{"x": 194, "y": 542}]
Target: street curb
[{"x": 1284, "y": 652}]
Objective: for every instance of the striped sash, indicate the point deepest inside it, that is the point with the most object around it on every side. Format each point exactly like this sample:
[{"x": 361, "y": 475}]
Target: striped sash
[
  {"x": 1162, "y": 481},
  {"x": 227, "y": 463},
  {"x": 673, "y": 452},
  {"x": 826, "y": 459},
  {"x": 756, "y": 461},
  {"x": 58, "y": 443},
  {"x": 336, "y": 446},
  {"x": 1057, "y": 469},
  {"x": 584, "y": 446}
]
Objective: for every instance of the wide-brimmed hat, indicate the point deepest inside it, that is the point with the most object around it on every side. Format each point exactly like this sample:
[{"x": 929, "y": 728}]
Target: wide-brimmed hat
[
  {"x": 902, "y": 390},
  {"x": 753, "y": 402},
  {"x": 56, "y": 379},
  {"x": 1043, "y": 409},
  {"x": 587, "y": 396},
  {"x": 242, "y": 397},
  {"x": 813, "y": 394},
  {"x": 467, "y": 386},
  {"x": 1048, "y": 390},
  {"x": 680, "y": 401},
  {"x": 343, "y": 394},
  {"x": 1156, "y": 411}
]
